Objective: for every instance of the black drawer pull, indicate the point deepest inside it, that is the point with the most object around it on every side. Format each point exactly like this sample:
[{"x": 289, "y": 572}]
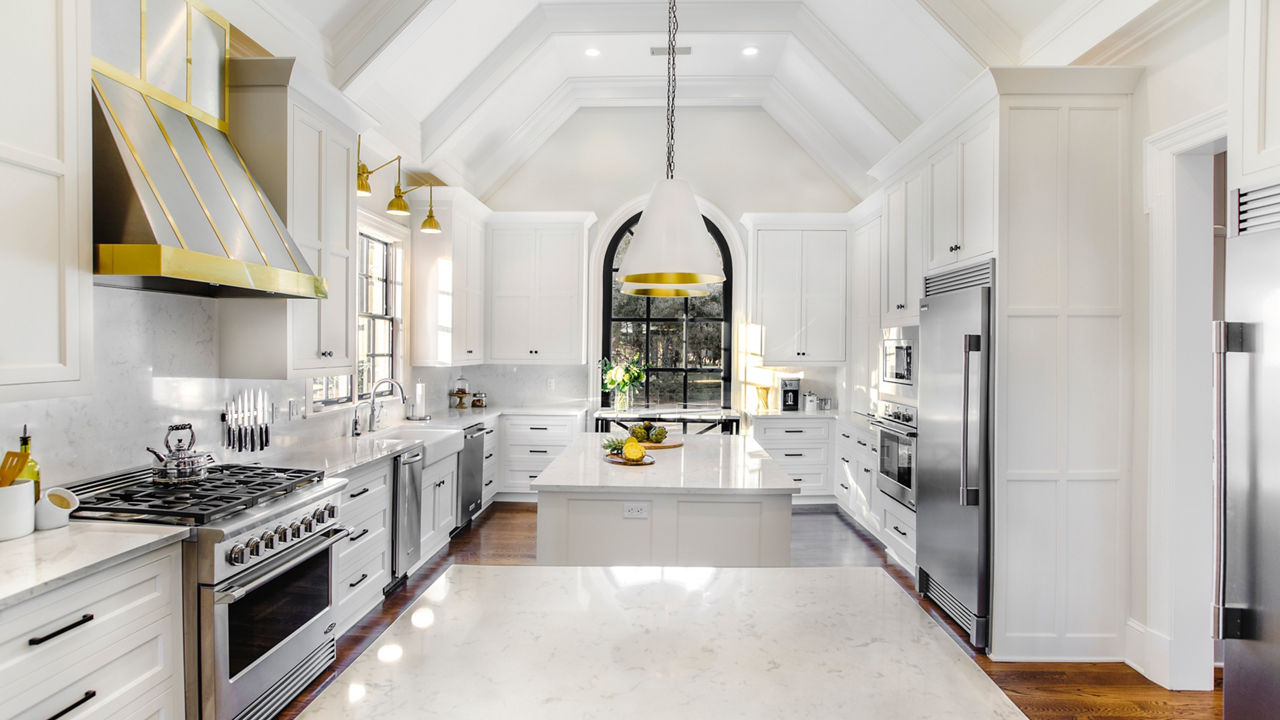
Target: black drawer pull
[
  {"x": 88, "y": 695},
  {"x": 538, "y": 452},
  {"x": 798, "y": 479},
  {"x": 899, "y": 531},
  {"x": 539, "y": 428},
  {"x": 863, "y": 443},
  {"x": 361, "y": 534},
  {"x": 489, "y": 456},
  {"x": 792, "y": 454},
  {"x": 441, "y": 483},
  {"x": 844, "y": 460},
  {"x": 846, "y": 487},
  {"x": 533, "y": 477},
  {"x": 488, "y": 431},
  {"x": 846, "y": 436},
  {"x": 488, "y": 483},
  {"x": 45, "y": 638},
  {"x": 792, "y": 431},
  {"x": 866, "y": 470},
  {"x": 363, "y": 577},
  {"x": 358, "y": 493}
]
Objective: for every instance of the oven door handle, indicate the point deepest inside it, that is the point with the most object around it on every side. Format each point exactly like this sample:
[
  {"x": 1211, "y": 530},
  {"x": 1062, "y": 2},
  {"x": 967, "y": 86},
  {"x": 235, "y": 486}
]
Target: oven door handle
[
  {"x": 231, "y": 593},
  {"x": 968, "y": 495},
  {"x": 894, "y": 431}
]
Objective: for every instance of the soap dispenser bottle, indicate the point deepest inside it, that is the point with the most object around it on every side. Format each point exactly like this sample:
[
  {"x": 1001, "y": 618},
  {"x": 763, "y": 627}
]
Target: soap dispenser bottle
[{"x": 32, "y": 470}]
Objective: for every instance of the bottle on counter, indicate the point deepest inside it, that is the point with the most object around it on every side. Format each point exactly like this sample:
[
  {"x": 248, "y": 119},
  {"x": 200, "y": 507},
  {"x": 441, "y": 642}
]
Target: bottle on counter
[{"x": 32, "y": 470}]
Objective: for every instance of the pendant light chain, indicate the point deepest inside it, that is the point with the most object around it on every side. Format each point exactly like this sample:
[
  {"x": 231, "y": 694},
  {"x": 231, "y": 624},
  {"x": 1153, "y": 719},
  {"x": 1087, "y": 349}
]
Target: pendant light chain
[{"x": 672, "y": 24}]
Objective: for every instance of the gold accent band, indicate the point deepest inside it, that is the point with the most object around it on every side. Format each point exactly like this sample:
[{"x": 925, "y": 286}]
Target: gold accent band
[
  {"x": 227, "y": 187},
  {"x": 183, "y": 167},
  {"x": 665, "y": 292},
  {"x": 672, "y": 278},
  {"x": 138, "y": 159},
  {"x": 157, "y": 94},
  {"x": 171, "y": 262}
]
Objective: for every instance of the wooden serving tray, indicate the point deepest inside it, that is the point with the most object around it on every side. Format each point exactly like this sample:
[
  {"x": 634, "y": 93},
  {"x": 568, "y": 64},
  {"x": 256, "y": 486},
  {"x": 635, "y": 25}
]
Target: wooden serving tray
[
  {"x": 661, "y": 446},
  {"x": 615, "y": 460}
]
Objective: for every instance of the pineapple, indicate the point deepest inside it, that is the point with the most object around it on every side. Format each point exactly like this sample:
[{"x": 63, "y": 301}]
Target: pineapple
[
  {"x": 613, "y": 445},
  {"x": 633, "y": 451}
]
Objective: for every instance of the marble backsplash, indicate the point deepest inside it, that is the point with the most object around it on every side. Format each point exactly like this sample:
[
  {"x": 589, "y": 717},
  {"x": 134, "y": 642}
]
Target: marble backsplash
[
  {"x": 507, "y": 385},
  {"x": 155, "y": 363}
]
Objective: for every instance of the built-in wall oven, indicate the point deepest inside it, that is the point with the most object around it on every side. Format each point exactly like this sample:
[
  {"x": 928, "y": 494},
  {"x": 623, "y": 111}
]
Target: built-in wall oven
[
  {"x": 896, "y": 427},
  {"x": 898, "y": 362}
]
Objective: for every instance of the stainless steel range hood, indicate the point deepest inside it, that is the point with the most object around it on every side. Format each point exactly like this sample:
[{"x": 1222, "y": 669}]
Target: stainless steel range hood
[{"x": 175, "y": 208}]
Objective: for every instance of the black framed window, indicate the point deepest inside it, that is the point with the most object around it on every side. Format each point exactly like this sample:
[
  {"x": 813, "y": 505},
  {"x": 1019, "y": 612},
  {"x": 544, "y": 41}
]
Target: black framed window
[
  {"x": 686, "y": 342},
  {"x": 379, "y": 288}
]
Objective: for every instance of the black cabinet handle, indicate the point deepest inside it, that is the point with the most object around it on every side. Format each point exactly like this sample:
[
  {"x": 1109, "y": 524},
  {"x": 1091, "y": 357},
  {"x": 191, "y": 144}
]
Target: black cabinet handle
[
  {"x": 470, "y": 352},
  {"x": 363, "y": 577},
  {"x": 846, "y": 487},
  {"x": 792, "y": 431},
  {"x": 440, "y": 484},
  {"x": 361, "y": 534},
  {"x": 844, "y": 460},
  {"x": 899, "y": 531},
  {"x": 533, "y": 477},
  {"x": 489, "y": 456},
  {"x": 538, "y": 452},
  {"x": 866, "y": 470},
  {"x": 488, "y": 431},
  {"x": 358, "y": 493},
  {"x": 846, "y": 436},
  {"x": 88, "y": 695},
  {"x": 45, "y": 638},
  {"x": 793, "y": 454},
  {"x": 797, "y": 479},
  {"x": 863, "y": 443},
  {"x": 488, "y": 483},
  {"x": 538, "y": 428}
]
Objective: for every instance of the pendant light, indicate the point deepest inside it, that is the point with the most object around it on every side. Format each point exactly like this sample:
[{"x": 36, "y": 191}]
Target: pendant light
[
  {"x": 430, "y": 225},
  {"x": 671, "y": 245},
  {"x": 363, "y": 173},
  {"x": 670, "y": 291}
]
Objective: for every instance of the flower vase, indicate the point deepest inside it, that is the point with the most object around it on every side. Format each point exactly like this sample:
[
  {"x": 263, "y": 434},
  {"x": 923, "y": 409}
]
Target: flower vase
[{"x": 622, "y": 400}]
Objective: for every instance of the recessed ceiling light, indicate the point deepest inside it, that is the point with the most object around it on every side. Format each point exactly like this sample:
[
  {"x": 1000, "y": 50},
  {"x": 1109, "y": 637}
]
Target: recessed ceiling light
[
  {"x": 593, "y": 52},
  {"x": 750, "y": 50}
]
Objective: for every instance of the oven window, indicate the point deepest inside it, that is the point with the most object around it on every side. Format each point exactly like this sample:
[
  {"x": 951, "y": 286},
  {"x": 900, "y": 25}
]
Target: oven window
[
  {"x": 895, "y": 459},
  {"x": 258, "y": 622},
  {"x": 897, "y": 362}
]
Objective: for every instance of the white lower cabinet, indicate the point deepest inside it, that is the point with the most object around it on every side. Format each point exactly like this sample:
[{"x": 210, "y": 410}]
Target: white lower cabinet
[
  {"x": 801, "y": 446},
  {"x": 491, "y": 474},
  {"x": 897, "y": 530},
  {"x": 439, "y": 505},
  {"x": 530, "y": 443},
  {"x": 364, "y": 558},
  {"x": 856, "y": 463},
  {"x": 126, "y": 661}
]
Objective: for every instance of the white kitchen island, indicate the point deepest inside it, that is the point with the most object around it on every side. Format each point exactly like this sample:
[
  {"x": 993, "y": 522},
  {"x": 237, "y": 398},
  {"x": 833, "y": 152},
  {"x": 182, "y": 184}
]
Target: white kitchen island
[{"x": 718, "y": 501}]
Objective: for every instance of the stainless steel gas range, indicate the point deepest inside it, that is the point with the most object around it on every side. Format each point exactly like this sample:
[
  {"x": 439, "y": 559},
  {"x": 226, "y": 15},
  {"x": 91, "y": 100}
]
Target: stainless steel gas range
[{"x": 258, "y": 577}]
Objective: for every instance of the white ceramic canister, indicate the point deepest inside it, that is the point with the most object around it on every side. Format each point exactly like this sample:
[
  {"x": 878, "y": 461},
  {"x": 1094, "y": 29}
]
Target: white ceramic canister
[
  {"x": 17, "y": 510},
  {"x": 54, "y": 509}
]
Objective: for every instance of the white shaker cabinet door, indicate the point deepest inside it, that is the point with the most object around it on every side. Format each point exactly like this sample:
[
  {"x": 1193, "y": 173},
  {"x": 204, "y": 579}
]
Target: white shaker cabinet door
[
  {"x": 1253, "y": 97},
  {"x": 823, "y": 276},
  {"x": 779, "y": 277},
  {"x": 944, "y": 208},
  {"x": 557, "y": 311},
  {"x": 44, "y": 199},
  {"x": 511, "y": 262},
  {"x": 978, "y": 192}
]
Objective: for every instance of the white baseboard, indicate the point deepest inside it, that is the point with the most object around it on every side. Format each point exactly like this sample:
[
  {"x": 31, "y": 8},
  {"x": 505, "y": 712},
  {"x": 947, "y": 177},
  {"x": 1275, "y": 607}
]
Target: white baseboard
[
  {"x": 813, "y": 500},
  {"x": 1147, "y": 651},
  {"x": 1134, "y": 645}
]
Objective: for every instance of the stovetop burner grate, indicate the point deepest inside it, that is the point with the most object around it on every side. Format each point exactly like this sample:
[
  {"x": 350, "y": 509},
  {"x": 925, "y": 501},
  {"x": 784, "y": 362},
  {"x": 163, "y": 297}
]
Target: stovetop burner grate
[{"x": 228, "y": 489}]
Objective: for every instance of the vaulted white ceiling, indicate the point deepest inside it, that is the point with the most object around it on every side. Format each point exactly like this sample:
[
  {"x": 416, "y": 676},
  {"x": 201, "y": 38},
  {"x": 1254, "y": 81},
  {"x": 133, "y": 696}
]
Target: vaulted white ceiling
[{"x": 470, "y": 89}]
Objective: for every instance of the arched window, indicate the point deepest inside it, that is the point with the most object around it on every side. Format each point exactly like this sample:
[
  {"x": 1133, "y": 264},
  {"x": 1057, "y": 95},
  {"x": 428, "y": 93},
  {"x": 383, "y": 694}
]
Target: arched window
[{"x": 685, "y": 342}]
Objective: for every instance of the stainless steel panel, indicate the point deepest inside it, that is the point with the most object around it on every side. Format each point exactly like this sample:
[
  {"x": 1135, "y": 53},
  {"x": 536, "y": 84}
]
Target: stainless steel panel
[
  {"x": 406, "y": 515},
  {"x": 1252, "y": 419},
  {"x": 167, "y": 46},
  {"x": 117, "y": 34},
  {"x": 208, "y": 64},
  {"x": 952, "y": 535},
  {"x": 470, "y": 474}
]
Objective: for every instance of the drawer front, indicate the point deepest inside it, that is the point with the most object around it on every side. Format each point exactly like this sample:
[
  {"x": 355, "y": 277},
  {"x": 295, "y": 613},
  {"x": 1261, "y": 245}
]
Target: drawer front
[
  {"x": 372, "y": 573},
  {"x": 810, "y": 482},
  {"x": 371, "y": 499},
  {"x": 103, "y": 680},
  {"x": 533, "y": 430},
  {"x": 841, "y": 491},
  {"x": 898, "y": 529},
  {"x": 490, "y": 439},
  {"x": 518, "y": 480},
  {"x": 489, "y": 490},
  {"x": 375, "y": 532},
  {"x": 791, "y": 457},
  {"x": 88, "y": 611},
  {"x": 767, "y": 433},
  {"x": 531, "y": 457}
]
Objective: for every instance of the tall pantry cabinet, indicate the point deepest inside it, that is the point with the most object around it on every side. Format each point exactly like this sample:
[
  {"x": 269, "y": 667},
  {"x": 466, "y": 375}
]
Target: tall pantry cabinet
[
  {"x": 45, "y": 184},
  {"x": 448, "y": 317}
]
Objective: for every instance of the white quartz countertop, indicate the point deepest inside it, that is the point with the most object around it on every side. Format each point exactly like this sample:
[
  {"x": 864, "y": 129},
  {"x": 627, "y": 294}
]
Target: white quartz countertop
[
  {"x": 705, "y": 464},
  {"x": 39, "y": 562},
  {"x": 670, "y": 643}
]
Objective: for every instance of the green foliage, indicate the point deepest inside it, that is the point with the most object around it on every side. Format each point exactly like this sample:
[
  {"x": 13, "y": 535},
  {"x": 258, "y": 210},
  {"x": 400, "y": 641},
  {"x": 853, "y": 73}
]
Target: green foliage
[
  {"x": 613, "y": 445},
  {"x": 621, "y": 376}
]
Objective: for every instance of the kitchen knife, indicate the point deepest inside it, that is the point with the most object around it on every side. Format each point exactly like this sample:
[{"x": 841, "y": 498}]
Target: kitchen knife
[
  {"x": 253, "y": 421},
  {"x": 265, "y": 439}
]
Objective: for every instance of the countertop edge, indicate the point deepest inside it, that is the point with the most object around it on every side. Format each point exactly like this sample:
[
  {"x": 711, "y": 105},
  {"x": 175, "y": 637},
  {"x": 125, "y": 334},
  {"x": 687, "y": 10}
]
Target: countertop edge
[{"x": 639, "y": 490}]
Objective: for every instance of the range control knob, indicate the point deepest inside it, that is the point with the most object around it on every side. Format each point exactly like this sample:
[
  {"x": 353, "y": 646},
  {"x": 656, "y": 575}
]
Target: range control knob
[
  {"x": 282, "y": 533},
  {"x": 255, "y": 547},
  {"x": 331, "y": 510},
  {"x": 295, "y": 530},
  {"x": 319, "y": 516},
  {"x": 268, "y": 540},
  {"x": 308, "y": 523},
  {"x": 237, "y": 555}
]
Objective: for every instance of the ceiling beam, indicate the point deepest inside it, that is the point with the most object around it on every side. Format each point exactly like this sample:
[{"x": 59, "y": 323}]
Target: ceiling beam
[
  {"x": 359, "y": 43},
  {"x": 978, "y": 29}
]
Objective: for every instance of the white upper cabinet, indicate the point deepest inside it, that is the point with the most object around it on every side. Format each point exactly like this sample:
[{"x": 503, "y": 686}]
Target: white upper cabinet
[
  {"x": 45, "y": 181},
  {"x": 537, "y": 265},
  {"x": 305, "y": 161},
  {"x": 905, "y": 224},
  {"x": 448, "y": 318},
  {"x": 801, "y": 300},
  {"x": 1253, "y": 155},
  {"x": 962, "y": 198},
  {"x": 864, "y": 311}
]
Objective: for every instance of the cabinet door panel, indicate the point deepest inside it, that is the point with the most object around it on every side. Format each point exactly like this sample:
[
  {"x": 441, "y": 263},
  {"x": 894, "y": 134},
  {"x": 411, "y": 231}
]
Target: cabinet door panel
[
  {"x": 445, "y": 519},
  {"x": 944, "y": 208},
  {"x": 510, "y": 336},
  {"x": 557, "y": 308},
  {"x": 511, "y": 262},
  {"x": 337, "y": 312},
  {"x": 779, "y": 260},
  {"x": 978, "y": 190},
  {"x": 307, "y": 158},
  {"x": 475, "y": 292},
  {"x": 894, "y": 288},
  {"x": 1255, "y": 92},
  {"x": 823, "y": 282},
  {"x": 556, "y": 331},
  {"x": 305, "y": 323},
  {"x": 916, "y": 227}
]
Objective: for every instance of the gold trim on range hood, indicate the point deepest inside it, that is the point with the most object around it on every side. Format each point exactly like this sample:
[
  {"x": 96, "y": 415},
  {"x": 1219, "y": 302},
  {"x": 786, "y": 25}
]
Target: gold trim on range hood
[{"x": 176, "y": 210}]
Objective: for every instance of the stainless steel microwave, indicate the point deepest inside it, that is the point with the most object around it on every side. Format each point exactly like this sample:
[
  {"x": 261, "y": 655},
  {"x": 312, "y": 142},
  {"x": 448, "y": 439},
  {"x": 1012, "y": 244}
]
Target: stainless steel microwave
[{"x": 898, "y": 360}]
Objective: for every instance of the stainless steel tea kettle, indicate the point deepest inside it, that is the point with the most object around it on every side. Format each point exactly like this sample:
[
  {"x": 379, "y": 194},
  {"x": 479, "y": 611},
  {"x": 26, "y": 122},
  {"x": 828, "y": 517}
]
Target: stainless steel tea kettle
[{"x": 182, "y": 464}]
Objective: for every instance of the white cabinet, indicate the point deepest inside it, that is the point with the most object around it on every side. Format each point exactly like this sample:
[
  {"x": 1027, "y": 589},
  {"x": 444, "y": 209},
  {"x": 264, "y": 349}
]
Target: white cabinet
[
  {"x": 856, "y": 468},
  {"x": 864, "y": 292},
  {"x": 904, "y": 225},
  {"x": 801, "y": 299},
  {"x": 1253, "y": 98},
  {"x": 536, "y": 287},
  {"x": 129, "y": 655},
  {"x": 304, "y": 160},
  {"x": 439, "y": 485},
  {"x": 364, "y": 557},
  {"x": 45, "y": 182},
  {"x": 962, "y": 198},
  {"x": 530, "y": 443},
  {"x": 801, "y": 446},
  {"x": 448, "y": 283}
]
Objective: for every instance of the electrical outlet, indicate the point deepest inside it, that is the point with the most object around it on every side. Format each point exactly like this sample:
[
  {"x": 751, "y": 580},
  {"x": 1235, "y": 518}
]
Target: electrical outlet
[
  {"x": 635, "y": 511},
  {"x": 551, "y": 384}
]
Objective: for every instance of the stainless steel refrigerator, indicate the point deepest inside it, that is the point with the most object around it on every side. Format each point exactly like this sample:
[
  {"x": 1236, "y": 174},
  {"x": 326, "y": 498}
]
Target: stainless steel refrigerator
[
  {"x": 1247, "y": 487},
  {"x": 953, "y": 452}
]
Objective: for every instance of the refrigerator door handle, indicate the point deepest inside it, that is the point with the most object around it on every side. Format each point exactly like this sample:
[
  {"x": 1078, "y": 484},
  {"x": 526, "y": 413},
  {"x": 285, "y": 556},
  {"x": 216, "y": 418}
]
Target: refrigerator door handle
[
  {"x": 1228, "y": 337},
  {"x": 968, "y": 495}
]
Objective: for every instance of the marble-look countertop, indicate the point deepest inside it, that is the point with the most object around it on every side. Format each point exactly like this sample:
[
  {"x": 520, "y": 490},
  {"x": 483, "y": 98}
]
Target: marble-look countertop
[
  {"x": 705, "y": 464},
  {"x": 843, "y": 415},
  {"x": 48, "y": 559},
  {"x": 669, "y": 643}
]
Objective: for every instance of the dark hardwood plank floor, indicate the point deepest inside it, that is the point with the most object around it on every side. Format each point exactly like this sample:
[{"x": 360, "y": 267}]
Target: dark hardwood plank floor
[{"x": 820, "y": 537}]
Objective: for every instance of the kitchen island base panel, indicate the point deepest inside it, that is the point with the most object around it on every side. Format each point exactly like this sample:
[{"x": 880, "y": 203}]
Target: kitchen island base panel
[{"x": 671, "y": 529}]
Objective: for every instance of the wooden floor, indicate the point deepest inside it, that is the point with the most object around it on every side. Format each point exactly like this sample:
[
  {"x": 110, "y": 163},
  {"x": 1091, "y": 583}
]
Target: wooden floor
[{"x": 820, "y": 537}]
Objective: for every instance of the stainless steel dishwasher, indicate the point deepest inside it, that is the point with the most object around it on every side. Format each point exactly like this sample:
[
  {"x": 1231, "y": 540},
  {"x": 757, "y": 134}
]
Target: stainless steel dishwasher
[
  {"x": 470, "y": 475},
  {"x": 406, "y": 516}
]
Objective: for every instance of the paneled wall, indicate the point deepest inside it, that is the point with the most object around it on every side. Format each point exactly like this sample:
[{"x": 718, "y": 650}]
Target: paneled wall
[{"x": 1063, "y": 376}]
